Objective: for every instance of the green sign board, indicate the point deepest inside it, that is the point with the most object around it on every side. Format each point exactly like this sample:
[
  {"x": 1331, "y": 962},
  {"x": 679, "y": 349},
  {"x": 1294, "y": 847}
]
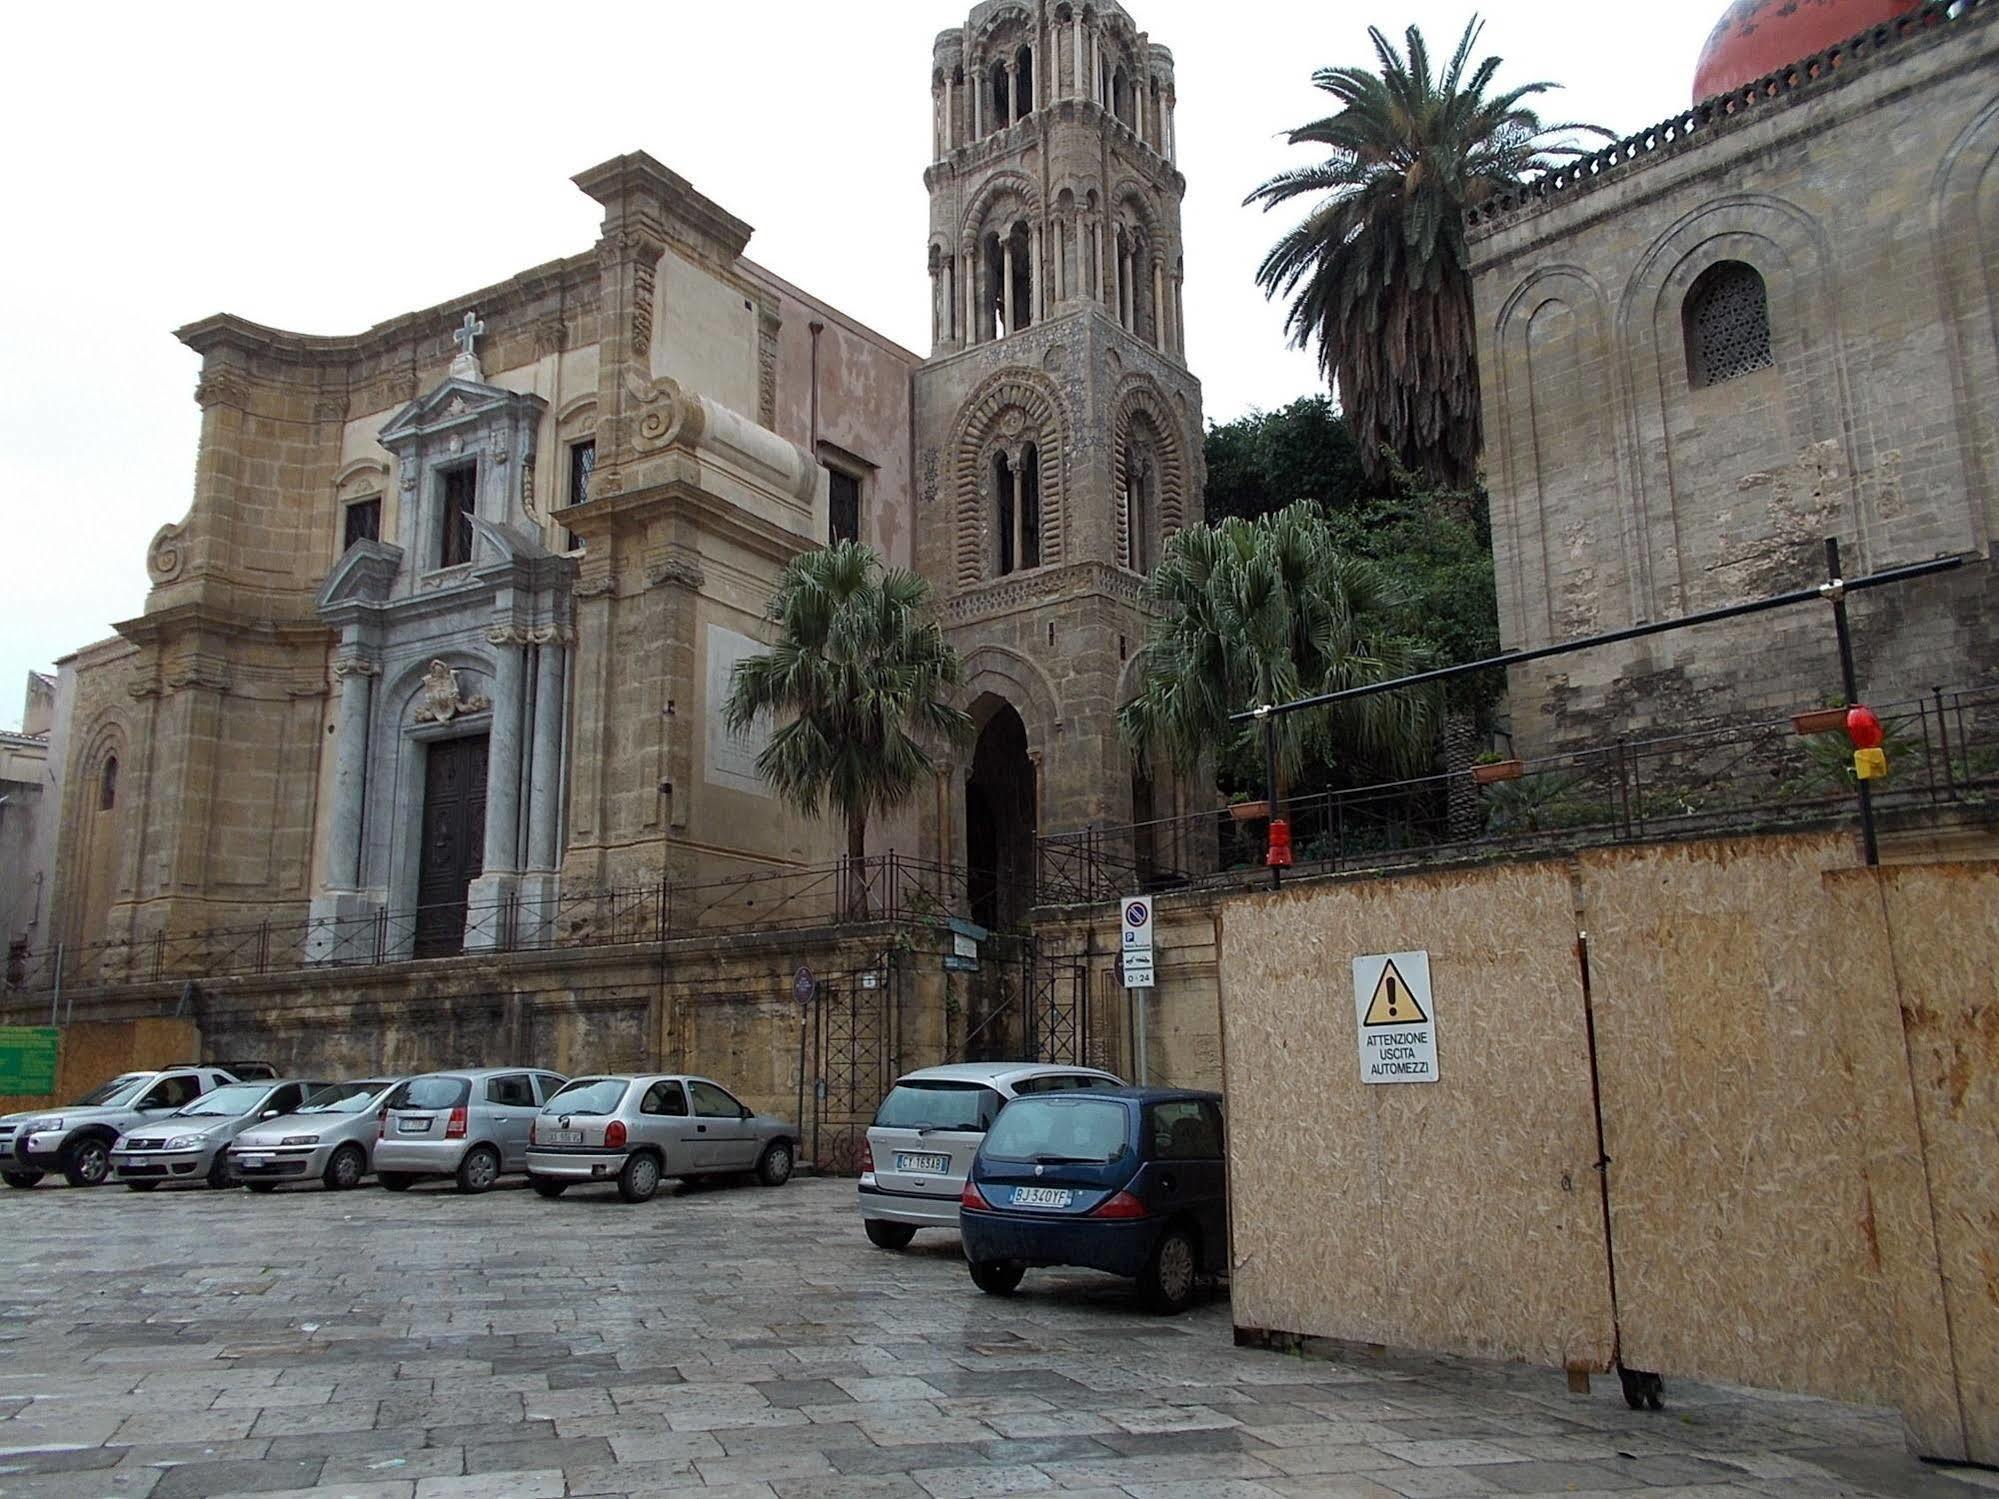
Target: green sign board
[{"x": 27, "y": 1059}]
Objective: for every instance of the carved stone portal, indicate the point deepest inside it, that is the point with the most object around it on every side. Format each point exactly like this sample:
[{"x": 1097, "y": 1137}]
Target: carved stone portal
[{"x": 441, "y": 699}]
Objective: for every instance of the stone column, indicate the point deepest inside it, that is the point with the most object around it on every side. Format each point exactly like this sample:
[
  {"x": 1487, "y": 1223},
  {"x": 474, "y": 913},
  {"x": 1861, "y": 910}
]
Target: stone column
[
  {"x": 1006, "y": 284},
  {"x": 545, "y": 778},
  {"x": 950, "y": 114},
  {"x": 1012, "y": 92},
  {"x": 503, "y": 760},
  {"x": 1172, "y": 134},
  {"x": 1061, "y": 266},
  {"x": 1076, "y": 88},
  {"x": 1180, "y": 314},
  {"x": 1139, "y": 91},
  {"x": 977, "y": 84},
  {"x": 1019, "y": 512},
  {"x": 1036, "y": 246},
  {"x": 971, "y": 300},
  {"x": 350, "y": 772},
  {"x": 1158, "y": 304},
  {"x": 1096, "y": 68}
]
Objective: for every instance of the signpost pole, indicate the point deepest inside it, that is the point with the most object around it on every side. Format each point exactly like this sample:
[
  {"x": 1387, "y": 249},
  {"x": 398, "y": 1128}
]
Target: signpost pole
[
  {"x": 1269, "y": 717},
  {"x": 1835, "y": 592}
]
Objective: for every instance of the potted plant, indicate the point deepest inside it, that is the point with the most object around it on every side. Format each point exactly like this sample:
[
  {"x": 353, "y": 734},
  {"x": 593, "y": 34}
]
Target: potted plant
[{"x": 1489, "y": 769}]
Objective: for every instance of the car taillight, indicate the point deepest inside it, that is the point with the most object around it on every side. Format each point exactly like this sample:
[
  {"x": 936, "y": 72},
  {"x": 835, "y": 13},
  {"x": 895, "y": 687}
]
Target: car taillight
[
  {"x": 1123, "y": 1205},
  {"x": 454, "y": 1127},
  {"x": 614, "y": 1135},
  {"x": 973, "y": 1198},
  {"x": 867, "y": 1159}
]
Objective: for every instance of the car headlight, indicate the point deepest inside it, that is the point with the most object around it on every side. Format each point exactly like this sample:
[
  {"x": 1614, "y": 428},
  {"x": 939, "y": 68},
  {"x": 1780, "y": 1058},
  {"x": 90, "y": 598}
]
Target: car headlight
[
  {"x": 299, "y": 1140},
  {"x": 38, "y": 1126},
  {"x": 184, "y": 1142}
]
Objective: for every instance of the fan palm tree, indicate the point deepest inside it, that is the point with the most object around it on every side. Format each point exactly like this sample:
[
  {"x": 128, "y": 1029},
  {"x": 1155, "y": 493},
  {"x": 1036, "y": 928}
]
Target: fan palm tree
[
  {"x": 1378, "y": 272},
  {"x": 1268, "y": 611},
  {"x": 859, "y": 676}
]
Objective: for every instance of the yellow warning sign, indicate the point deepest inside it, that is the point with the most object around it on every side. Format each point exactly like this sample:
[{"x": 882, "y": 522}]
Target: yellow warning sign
[{"x": 1394, "y": 1003}]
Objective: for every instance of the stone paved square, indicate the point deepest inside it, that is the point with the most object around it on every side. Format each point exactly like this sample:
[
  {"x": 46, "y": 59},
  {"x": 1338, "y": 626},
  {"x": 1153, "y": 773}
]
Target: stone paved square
[{"x": 739, "y": 1343}]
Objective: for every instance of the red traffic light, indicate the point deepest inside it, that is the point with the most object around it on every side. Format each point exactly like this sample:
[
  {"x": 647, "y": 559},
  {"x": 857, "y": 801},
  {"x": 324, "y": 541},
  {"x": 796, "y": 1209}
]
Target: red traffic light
[
  {"x": 1279, "y": 856},
  {"x": 1863, "y": 728}
]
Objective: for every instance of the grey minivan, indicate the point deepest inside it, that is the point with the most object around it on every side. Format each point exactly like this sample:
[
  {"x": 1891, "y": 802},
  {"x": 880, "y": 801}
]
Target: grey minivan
[
  {"x": 929, "y": 1128},
  {"x": 471, "y": 1124},
  {"x": 634, "y": 1130}
]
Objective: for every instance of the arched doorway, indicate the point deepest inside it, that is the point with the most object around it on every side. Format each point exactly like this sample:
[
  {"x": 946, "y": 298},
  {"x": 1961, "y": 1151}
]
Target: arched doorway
[{"x": 1000, "y": 829}]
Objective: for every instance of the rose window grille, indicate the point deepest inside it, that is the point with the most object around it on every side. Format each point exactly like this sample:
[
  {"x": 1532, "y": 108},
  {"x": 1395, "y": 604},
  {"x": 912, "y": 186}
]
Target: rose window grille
[{"x": 1728, "y": 325}]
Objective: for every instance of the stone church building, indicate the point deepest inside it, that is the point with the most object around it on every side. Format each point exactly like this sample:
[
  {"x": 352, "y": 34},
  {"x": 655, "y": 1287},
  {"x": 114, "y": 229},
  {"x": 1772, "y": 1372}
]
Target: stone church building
[{"x": 443, "y": 638}]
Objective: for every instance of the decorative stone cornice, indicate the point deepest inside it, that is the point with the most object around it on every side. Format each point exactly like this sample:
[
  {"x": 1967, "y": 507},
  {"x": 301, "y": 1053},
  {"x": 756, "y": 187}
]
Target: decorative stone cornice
[
  {"x": 1043, "y": 585},
  {"x": 356, "y": 666}
]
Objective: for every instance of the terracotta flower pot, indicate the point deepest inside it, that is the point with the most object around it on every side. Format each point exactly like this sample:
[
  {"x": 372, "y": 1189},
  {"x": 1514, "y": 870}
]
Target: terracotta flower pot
[
  {"x": 1249, "y": 811},
  {"x": 1503, "y": 770},
  {"x": 1821, "y": 721}
]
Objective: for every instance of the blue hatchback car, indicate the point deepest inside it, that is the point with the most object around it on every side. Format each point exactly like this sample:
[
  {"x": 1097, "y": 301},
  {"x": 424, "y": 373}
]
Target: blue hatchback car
[{"x": 1129, "y": 1180}]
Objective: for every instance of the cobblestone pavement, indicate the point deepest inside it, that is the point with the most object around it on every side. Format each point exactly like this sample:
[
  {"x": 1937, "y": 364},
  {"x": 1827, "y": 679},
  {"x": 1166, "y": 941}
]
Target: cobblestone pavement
[{"x": 741, "y": 1343}]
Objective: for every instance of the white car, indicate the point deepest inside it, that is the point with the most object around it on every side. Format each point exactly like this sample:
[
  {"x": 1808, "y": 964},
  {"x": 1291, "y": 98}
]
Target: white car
[{"x": 928, "y": 1129}]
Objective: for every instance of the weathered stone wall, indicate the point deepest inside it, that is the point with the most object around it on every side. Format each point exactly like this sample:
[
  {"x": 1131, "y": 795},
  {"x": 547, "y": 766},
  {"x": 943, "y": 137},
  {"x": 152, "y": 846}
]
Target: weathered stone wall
[{"x": 1624, "y": 490}]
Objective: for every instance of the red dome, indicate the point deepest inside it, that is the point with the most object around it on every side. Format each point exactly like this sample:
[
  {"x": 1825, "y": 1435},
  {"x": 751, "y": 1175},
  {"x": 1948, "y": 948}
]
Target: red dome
[{"x": 1758, "y": 37}]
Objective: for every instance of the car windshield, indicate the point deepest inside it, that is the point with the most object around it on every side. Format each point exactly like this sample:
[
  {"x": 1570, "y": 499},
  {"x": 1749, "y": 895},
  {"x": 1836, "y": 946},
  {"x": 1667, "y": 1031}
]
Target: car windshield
[
  {"x": 432, "y": 1093},
  {"x": 119, "y": 1090},
  {"x": 1054, "y": 1128},
  {"x": 344, "y": 1098},
  {"x": 227, "y": 1101},
  {"x": 940, "y": 1106},
  {"x": 588, "y": 1095}
]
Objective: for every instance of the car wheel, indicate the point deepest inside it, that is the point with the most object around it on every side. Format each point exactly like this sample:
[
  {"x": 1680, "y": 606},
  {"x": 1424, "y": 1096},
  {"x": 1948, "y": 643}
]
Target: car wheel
[
  {"x": 774, "y": 1170},
  {"x": 998, "y": 1277},
  {"x": 479, "y": 1170},
  {"x": 260, "y": 1187},
  {"x": 1167, "y": 1283},
  {"x": 218, "y": 1173},
  {"x": 86, "y": 1162},
  {"x": 640, "y": 1178},
  {"x": 21, "y": 1179},
  {"x": 548, "y": 1186},
  {"x": 395, "y": 1181},
  {"x": 140, "y": 1186},
  {"x": 344, "y": 1171},
  {"x": 885, "y": 1235}
]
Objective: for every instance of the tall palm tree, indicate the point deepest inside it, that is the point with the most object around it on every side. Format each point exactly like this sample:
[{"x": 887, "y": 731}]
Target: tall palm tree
[
  {"x": 1267, "y": 611},
  {"x": 860, "y": 674},
  {"x": 1378, "y": 273}
]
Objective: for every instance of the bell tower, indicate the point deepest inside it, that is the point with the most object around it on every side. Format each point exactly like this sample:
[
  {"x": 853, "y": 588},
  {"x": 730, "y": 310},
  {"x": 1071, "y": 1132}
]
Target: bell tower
[{"x": 1059, "y": 430}]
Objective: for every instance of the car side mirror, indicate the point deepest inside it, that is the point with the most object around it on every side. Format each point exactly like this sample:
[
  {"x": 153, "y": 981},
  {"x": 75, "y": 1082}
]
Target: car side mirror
[
  {"x": 749, "y": 1113},
  {"x": 270, "y": 1114}
]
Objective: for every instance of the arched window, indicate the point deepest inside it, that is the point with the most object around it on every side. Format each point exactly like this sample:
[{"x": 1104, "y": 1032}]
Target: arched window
[
  {"x": 1023, "y": 74},
  {"x": 1727, "y": 318},
  {"x": 107, "y": 784},
  {"x": 1017, "y": 492},
  {"x": 1141, "y": 502},
  {"x": 1002, "y": 97}
]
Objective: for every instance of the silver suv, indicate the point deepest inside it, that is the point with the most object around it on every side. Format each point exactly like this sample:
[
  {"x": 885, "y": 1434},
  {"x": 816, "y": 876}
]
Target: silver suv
[
  {"x": 636, "y": 1130},
  {"x": 77, "y": 1140},
  {"x": 927, "y": 1131},
  {"x": 192, "y": 1143},
  {"x": 472, "y": 1125}
]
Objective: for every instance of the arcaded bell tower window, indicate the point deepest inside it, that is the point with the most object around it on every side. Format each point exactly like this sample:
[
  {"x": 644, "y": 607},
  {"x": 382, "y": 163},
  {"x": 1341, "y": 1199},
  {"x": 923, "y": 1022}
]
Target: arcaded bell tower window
[
  {"x": 459, "y": 489},
  {"x": 1727, "y": 318}
]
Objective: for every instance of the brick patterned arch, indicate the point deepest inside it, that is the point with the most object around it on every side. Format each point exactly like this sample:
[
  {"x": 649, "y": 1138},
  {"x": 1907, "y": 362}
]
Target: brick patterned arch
[
  {"x": 1139, "y": 398},
  {"x": 998, "y": 186},
  {"x": 986, "y": 421}
]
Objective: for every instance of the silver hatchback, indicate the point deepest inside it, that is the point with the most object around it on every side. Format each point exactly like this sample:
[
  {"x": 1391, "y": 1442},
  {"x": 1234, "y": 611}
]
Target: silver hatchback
[
  {"x": 927, "y": 1130},
  {"x": 472, "y": 1125},
  {"x": 328, "y": 1138},
  {"x": 636, "y": 1129},
  {"x": 192, "y": 1143}
]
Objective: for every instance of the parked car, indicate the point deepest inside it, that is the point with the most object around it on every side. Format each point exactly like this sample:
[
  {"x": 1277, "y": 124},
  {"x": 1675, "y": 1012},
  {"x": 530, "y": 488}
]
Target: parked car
[
  {"x": 927, "y": 1130},
  {"x": 77, "y": 1140},
  {"x": 330, "y": 1138},
  {"x": 192, "y": 1143},
  {"x": 471, "y": 1124},
  {"x": 1132, "y": 1181},
  {"x": 636, "y": 1130}
]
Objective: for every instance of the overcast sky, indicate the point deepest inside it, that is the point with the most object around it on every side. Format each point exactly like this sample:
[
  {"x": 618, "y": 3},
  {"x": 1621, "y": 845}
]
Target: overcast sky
[{"x": 325, "y": 167}]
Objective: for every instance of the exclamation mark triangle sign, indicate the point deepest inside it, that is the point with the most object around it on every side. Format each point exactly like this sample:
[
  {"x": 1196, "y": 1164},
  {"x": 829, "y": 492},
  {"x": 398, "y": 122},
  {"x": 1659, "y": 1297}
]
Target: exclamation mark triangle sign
[{"x": 1394, "y": 1003}]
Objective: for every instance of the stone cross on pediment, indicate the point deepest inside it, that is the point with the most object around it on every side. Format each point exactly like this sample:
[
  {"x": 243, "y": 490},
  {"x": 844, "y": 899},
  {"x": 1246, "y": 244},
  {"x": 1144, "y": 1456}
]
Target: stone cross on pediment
[{"x": 466, "y": 336}]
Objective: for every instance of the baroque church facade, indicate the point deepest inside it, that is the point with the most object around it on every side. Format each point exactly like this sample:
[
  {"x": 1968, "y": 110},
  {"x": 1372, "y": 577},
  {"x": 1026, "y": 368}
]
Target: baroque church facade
[{"x": 446, "y": 631}]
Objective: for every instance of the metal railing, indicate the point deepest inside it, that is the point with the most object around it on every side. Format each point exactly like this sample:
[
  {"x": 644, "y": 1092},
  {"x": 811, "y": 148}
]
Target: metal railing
[
  {"x": 1943, "y": 752},
  {"x": 885, "y": 888}
]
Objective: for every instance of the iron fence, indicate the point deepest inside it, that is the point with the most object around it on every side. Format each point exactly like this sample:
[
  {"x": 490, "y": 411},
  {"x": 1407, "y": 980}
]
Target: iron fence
[
  {"x": 1943, "y": 752},
  {"x": 888, "y": 888}
]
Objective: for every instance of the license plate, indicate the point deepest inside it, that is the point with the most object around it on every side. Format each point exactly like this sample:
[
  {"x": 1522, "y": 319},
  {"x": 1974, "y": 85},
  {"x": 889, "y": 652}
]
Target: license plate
[
  {"x": 413, "y": 1126},
  {"x": 923, "y": 1165},
  {"x": 251, "y": 1160},
  {"x": 1042, "y": 1197},
  {"x": 566, "y": 1137}
]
